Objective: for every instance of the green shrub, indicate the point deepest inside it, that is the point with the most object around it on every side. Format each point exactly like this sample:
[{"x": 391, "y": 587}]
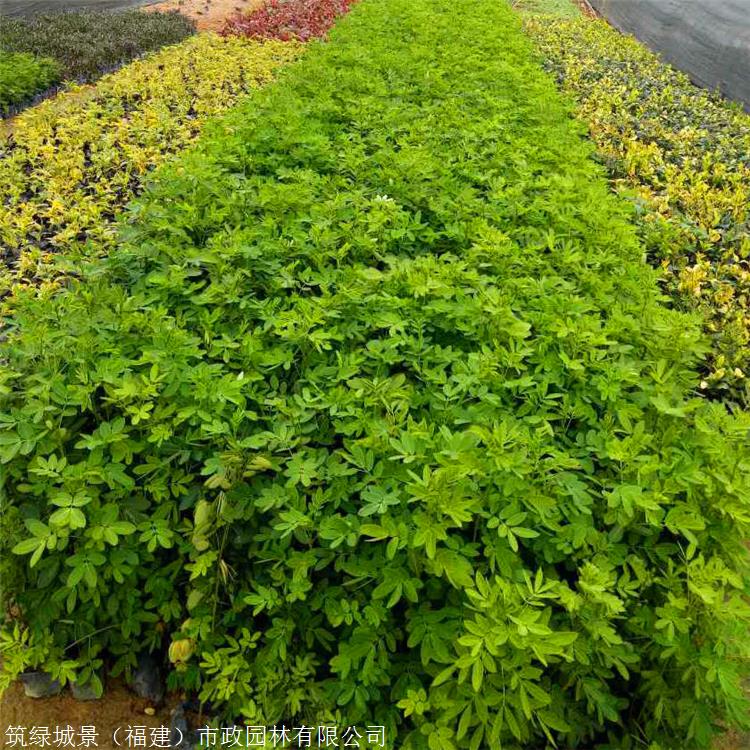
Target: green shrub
[
  {"x": 23, "y": 75},
  {"x": 377, "y": 417},
  {"x": 70, "y": 164},
  {"x": 86, "y": 44},
  {"x": 680, "y": 154},
  {"x": 562, "y": 8}
]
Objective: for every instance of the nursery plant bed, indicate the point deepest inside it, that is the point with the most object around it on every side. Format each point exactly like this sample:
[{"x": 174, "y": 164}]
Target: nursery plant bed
[
  {"x": 36, "y": 7},
  {"x": 679, "y": 154},
  {"x": 373, "y": 412},
  {"x": 111, "y": 135},
  {"x": 299, "y": 20},
  {"x": 87, "y": 44},
  {"x": 22, "y": 76}
]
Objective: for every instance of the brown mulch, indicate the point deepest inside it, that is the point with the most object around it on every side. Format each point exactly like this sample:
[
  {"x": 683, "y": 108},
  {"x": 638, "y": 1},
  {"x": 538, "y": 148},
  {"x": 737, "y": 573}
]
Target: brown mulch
[{"x": 209, "y": 15}]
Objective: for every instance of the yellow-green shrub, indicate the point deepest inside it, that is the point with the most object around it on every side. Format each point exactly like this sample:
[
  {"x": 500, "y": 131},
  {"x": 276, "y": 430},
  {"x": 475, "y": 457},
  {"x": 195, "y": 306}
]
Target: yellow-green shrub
[
  {"x": 681, "y": 154},
  {"x": 375, "y": 416},
  {"x": 68, "y": 165}
]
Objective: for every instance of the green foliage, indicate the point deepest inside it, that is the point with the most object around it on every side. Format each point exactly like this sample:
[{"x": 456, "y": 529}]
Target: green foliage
[
  {"x": 563, "y": 8},
  {"x": 86, "y": 44},
  {"x": 375, "y": 416},
  {"x": 71, "y": 163},
  {"x": 22, "y": 75},
  {"x": 680, "y": 155}
]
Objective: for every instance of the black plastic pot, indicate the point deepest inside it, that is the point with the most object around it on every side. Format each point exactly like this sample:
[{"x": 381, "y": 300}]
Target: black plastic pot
[
  {"x": 40, "y": 685},
  {"x": 83, "y": 692}
]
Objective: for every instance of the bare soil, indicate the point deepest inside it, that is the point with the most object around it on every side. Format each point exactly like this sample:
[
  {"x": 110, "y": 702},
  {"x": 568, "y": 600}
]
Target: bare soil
[
  {"x": 586, "y": 8},
  {"x": 119, "y": 708},
  {"x": 209, "y": 15}
]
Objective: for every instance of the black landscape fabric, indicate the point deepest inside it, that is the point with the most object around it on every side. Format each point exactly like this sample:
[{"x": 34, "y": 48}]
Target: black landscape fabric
[{"x": 708, "y": 39}]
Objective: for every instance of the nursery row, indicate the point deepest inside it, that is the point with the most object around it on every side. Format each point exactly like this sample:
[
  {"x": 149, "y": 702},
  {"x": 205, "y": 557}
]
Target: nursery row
[
  {"x": 84, "y": 45},
  {"x": 22, "y": 76},
  {"x": 680, "y": 154},
  {"x": 374, "y": 415},
  {"x": 560, "y": 8},
  {"x": 289, "y": 19},
  {"x": 69, "y": 164}
]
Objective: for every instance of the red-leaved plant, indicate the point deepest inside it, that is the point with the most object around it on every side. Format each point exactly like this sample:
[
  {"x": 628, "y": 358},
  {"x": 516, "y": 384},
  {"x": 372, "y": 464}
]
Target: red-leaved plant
[{"x": 289, "y": 19}]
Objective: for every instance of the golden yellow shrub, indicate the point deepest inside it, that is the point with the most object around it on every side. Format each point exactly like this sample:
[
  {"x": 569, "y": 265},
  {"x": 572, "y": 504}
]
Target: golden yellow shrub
[{"x": 68, "y": 165}]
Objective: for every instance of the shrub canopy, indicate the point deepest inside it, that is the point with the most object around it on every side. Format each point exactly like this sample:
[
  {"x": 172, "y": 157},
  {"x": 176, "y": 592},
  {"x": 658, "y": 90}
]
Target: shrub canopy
[
  {"x": 22, "y": 76},
  {"x": 86, "y": 44},
  {"x": 288, "y": 19},
  {"x": 680, "y": 154},
  {"x": 378, "y": 414},
  {"x": 60, "y": 202}
]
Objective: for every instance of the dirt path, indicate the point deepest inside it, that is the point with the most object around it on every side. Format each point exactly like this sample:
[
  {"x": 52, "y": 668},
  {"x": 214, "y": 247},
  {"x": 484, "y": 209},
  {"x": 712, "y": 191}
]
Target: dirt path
[{"x": 209, "y": 15}]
